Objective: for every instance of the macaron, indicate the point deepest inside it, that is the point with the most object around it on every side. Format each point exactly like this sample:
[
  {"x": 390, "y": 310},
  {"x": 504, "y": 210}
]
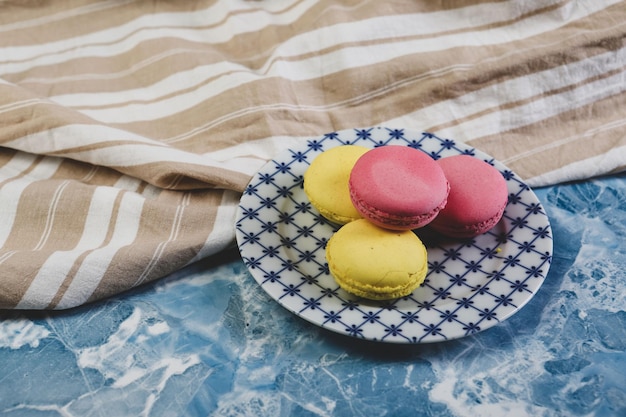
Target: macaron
[
  {"x": 326, "y": 183},
  {"x": 398, "y": 187},
  {"x": 477, "y": 199},
  {"x": 376, "y": 263}
]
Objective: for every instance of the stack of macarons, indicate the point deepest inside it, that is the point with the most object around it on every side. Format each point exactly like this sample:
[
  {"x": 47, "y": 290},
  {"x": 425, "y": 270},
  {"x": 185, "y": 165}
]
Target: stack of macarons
[{"x": 382, "y": 195}]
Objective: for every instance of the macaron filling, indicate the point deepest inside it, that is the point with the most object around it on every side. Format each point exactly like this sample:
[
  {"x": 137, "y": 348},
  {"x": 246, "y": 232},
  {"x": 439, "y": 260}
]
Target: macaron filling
[
  {"x": 462, "y": 231},
  {"x": 397, "y": 222}
]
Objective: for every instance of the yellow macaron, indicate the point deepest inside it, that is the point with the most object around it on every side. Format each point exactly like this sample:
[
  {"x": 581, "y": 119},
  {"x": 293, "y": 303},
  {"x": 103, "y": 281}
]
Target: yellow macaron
[
  {"x": 375, "y": 263},
  {"x": 326, "y": 183}
]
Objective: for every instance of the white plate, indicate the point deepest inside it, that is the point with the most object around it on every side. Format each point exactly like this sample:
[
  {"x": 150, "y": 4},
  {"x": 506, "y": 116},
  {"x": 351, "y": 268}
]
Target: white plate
[{"x": 471, "y": 285}]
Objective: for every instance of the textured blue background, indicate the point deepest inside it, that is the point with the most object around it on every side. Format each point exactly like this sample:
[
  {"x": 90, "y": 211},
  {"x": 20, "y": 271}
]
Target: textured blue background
[{"x": 208, "y": 341}]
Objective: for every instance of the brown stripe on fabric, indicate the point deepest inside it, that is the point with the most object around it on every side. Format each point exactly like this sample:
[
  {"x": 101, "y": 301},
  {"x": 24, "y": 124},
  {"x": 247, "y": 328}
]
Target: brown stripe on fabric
[
  {"x": 45, "y": 116},
  {"x": 155, "y": 231},
  {"x": 577, "y": 134},
  {"x": 66, "y": 214},
  {"x": 140, "y": 67},
  {"x": 186, "y": 176},
  {"x": 158, "y": 173},
  {"x": 19, "y": 268},
  {"x": 10, "y": 289},
  {"x": 517, "y": 103},
  {"x": 58, "y": 20},
  {"x": 36, "y": 160},
  {"x": 173, "y": 226},
  {"x": 300, "y": 57},
  {"x": 333, "y": 94},
  {"x": 87, "y": 173},
  {"x": 245, "y": 51},
  {"x": 27, "y": 10},
  {"x": 74, "y": 28},
  {"x": 396, "y": 39},
  {"x": 179, "y": 124},
  {"x": 401, "y": 6},
  {"x": 252, "y": 49},
  {"x": 36, "y": 115},
  {"x": 50, "y": 214},
  {"x": 12, "y": 11},
  {"x": 102, "y": 144},
  {"x": 373, "y": 94},
  {"x": 71, "y": 275},
  {"x": 6, "y": 155}
]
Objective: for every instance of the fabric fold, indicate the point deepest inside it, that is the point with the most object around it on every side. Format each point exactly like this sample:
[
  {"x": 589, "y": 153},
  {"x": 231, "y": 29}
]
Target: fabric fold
[
  {"x": 129, "y": 129},
  {"x": 38, "y": 125}
]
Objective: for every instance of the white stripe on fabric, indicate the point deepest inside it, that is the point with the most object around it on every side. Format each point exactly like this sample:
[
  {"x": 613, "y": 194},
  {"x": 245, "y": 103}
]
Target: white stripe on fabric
[
  {"x": 98, "y": 218},
  {"x": 616, "y": 124},
  {"x": 517, "y": 89},
  {"x": 321, "y": 65},
  {"x": 585, "y": 168},
  {"x": 120, "y": 39},
  {"x": 79, "y": 11},
  {"x": 75, "y": 135},
  {"x": 56, "y": 268},
  {"x": 263, "y": 149},
  {"x": 12, "y": 189},
  {"x": 119, "y": 74},
  {"x": 179, "y": 81},
  {"x": 444, "y": 111},
  {"x": 137, "y": 154},
  {"x": 156, "y": 58},
  {"x": 223, "y": 233},
  {"x": 536, "y": 111},
  {"x": 128, "y": 183},
  {"x": 52, "y": 207},
  {"x": 184, "y": 26},
  {"x": 6, "y": 256},
  {"x": 292, "y": 47},
  {"x": 16, "y": 105},
  {"x": 376, "y": 29},
  {"x": 151, "y": 192},
  {"x": 16, "y": 166},
  {"x": 174, "y": 231},
  {"x": 61, "y": 140},
  {"x": 96, "y": 263}
]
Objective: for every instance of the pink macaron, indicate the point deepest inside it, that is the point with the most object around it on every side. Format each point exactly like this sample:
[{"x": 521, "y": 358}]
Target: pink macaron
[
  {"x": 477, "y": 199},
  {"x": 398, "y": 187}
]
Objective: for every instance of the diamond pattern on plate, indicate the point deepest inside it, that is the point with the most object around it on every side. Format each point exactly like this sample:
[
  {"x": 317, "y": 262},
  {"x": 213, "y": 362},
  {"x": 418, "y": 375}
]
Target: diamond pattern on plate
[{"x": 471, "y": 284}]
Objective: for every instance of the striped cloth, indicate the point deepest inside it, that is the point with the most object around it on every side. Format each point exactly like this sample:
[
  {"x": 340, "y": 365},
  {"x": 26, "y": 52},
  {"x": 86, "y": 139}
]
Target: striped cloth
[{"x": 130, "y": 128}]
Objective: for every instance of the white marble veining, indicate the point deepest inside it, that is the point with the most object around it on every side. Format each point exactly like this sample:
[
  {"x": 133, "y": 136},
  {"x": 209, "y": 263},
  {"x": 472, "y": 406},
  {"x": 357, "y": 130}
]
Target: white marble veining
[{"x": 207, "y": 341}]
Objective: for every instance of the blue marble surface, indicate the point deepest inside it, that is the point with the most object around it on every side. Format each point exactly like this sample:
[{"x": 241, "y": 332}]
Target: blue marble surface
[{"x": 207, "y": 341}]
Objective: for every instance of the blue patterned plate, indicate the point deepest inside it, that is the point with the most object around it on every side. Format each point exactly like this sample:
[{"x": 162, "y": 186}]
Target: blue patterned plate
[{"x": 471, "y": 285}]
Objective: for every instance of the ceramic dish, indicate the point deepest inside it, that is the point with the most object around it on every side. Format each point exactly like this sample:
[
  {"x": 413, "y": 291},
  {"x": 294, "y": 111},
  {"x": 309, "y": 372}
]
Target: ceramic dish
[{"x": 471, "y": 285}]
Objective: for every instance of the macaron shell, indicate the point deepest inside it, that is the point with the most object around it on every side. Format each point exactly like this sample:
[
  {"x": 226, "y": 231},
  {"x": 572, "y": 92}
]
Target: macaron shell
[
  {"x": 376, "y": 263},
  {"x": 477, "y": 199},
  {"x": 326, "y": 183},
  {"x": 398, "y": 187}
]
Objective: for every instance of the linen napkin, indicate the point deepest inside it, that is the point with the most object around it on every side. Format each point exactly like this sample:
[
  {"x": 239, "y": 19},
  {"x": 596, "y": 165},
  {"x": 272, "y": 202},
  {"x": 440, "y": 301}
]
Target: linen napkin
[{"x": 128, "y": 129}]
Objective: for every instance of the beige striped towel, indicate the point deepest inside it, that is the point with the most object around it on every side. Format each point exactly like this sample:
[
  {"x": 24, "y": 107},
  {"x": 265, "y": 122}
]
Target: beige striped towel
[{"x": 129, "y": 128}]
